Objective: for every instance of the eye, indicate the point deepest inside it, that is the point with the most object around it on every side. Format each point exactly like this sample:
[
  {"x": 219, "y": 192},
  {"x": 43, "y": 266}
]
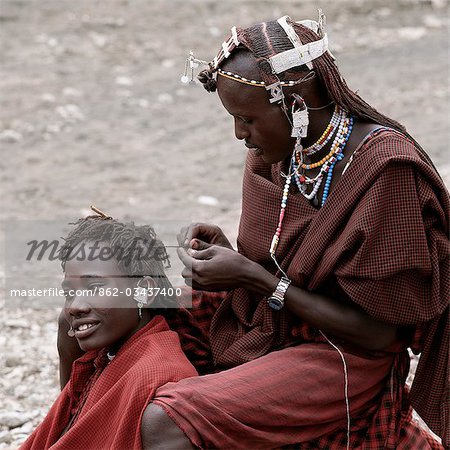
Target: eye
[
  {"x": 93, "y": 286},
  {"x": 244, "y": 120},
  {"x": 69, "y": 295}
]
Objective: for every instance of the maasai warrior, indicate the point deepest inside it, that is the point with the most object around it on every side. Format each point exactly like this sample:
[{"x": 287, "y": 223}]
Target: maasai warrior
[
  {"x": 342, "y": 264},
  {"x": 115, "y": 316}
]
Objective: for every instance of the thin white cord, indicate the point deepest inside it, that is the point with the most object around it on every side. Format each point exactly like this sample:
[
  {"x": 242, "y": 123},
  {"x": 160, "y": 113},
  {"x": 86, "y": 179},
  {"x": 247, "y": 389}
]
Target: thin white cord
[
  {"x": 279, "y": 268},
  {"x": 347, "y": 402}
]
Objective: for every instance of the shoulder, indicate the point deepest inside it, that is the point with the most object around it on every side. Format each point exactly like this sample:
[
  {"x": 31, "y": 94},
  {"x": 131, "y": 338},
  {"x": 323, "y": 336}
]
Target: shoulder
[
  {"x": 386, "y": 150},
  {"x": 383, "y": 144},
  {"x": 158, "y": 354}
]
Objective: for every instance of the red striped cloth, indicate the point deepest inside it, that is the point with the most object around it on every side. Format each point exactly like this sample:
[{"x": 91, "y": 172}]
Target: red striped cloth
[
  {"x": 294, "y": 395},
  {"x": 382, "y": 240},
  {"x": 110, "y": 417}
]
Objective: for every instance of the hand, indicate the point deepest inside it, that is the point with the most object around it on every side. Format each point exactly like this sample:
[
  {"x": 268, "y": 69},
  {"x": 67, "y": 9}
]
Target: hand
[
  {"x": 210, "y": 234},
  {"x": 212, "y": 267},
  {"x": 68, "y": 350}
]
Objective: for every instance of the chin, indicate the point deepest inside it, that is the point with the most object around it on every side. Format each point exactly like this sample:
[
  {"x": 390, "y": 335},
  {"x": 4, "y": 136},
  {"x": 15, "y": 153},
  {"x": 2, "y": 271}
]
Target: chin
[
  {"x": 89, "y": 345},
  {"x": 269, "y": 160}
]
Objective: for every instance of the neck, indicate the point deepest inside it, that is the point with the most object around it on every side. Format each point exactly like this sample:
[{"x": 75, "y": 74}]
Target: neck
[
  {"x": 146, "y": 318},
  {"x": 318, "y": 122}
]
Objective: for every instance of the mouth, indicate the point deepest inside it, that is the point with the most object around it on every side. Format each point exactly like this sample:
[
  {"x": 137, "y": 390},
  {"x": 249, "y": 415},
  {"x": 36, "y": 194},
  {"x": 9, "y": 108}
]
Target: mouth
[
  {"x": 85, "y": 329},
  {"x": 256, "y": 150}
]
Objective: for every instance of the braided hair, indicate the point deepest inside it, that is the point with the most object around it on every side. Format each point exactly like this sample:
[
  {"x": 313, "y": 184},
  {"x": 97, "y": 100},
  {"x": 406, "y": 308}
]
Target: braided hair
[
  {"x": 266, "y": 39},
  {"x": 137, "y": 249}
]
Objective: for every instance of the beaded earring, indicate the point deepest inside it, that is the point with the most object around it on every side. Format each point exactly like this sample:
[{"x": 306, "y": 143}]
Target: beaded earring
[
  {"x": 141, "y": 295},
  {"x": 300, "y": 119}
]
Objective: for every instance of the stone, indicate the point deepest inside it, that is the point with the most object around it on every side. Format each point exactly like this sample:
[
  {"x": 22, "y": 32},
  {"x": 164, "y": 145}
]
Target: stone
[
  {"x": 207, "y": 200},
  {"x": 10, "y": 136},
  {"x": 124, "y": 81},
  {"x": 13, "y": 419}
]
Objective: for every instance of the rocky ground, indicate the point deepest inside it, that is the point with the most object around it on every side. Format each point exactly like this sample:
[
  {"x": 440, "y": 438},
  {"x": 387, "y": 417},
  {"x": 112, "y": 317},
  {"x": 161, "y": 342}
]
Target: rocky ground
[{"x": 92, "y": 111}]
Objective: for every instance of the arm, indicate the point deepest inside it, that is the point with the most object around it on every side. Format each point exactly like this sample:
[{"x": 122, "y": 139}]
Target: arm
[
  {"x": 158, "y": 431},
  {"x": 217, "y": 268},
  {"x": 340, "y": 318},
  {"x": 68, "y": 350}
]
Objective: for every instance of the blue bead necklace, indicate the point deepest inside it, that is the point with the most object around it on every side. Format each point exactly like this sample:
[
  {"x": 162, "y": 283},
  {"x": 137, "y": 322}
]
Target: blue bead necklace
[{"x": 339, "y": 157}]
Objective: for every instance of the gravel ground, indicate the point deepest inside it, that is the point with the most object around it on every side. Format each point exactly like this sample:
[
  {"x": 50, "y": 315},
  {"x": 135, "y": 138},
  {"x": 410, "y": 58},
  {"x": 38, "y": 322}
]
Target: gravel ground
[{"x": 92, "y": 111}]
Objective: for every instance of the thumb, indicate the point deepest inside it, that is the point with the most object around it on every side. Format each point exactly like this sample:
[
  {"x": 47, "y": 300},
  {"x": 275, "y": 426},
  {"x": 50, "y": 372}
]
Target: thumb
[{"x": 197, "y": 244}]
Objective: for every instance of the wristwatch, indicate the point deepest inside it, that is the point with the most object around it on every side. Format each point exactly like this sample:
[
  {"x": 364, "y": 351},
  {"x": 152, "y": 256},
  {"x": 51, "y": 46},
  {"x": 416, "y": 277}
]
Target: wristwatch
[{"x": 276, "y": 300}]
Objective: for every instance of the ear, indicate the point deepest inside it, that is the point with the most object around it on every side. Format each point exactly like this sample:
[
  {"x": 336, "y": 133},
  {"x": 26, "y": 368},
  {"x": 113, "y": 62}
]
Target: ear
[{"x": 145, "y": 292}]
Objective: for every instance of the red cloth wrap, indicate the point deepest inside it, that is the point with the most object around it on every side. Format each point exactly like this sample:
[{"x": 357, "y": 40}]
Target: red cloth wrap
[
  {"x": 381, "y": 239},
  {"x": 111, "y": 417}
]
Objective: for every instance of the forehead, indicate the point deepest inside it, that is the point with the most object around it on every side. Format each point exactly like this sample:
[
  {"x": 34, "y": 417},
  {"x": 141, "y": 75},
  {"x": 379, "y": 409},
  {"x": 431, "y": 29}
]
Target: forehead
[
  {"x": 239, "y": 98},
  {"x": 92, "y": 258},
  {"x": 243, "y": 63}
]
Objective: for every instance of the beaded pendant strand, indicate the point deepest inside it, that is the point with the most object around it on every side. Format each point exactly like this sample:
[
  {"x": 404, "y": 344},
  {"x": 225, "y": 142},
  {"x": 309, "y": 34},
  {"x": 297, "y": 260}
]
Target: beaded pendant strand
[
  {"x": 337, "y": 147},
  {"x": 276, "y": 236},
  {"x": 327, "y": 134},
  {"x": 344, "y": 128}
]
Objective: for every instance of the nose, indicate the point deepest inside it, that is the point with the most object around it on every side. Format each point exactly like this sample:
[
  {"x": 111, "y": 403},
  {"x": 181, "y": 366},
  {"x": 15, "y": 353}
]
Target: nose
[
  {"x": 78, "y": 305},
  {"x": 240, "y": 130}
]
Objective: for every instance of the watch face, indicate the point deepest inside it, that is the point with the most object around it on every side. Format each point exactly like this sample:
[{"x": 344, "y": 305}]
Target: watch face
[{"x": 275, "y": 303}]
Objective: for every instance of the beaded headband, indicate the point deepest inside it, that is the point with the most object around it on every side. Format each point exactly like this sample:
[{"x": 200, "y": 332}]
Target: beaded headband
[{"x": 240, "y": 79}]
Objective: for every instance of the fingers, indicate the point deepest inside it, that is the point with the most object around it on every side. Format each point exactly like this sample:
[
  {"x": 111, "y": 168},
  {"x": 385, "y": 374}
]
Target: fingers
[
  {"x": 187, "y": 275},
  {"x": 204, "y": 231},
  {"x": 182, "y": 236},
  {"x": 189, "y": 232},
  {"x": 198, "y": 244},
  {"x": 190, "y": 256},
  {"x": 188, "y": 271},
  {"x": 185, "y": 258}
]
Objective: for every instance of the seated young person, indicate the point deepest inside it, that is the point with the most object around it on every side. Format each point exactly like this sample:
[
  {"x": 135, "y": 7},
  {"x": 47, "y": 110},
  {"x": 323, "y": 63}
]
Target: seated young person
[{"x": 111, "y": 272}]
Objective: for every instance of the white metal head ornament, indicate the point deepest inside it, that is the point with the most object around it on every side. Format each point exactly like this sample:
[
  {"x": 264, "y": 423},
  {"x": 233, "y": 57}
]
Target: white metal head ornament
[{"x": 301, "y": 54}]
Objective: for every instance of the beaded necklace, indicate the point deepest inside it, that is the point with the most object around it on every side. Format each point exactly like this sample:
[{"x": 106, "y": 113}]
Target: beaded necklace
[
  {"x": 327, "y": 134},
  {"x": 327, "y": 163},
  {"x": 336, "y": 154}
]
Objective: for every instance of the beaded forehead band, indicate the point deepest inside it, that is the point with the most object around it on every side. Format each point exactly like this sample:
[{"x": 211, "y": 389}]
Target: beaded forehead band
[{"x": 240, "y": 79}]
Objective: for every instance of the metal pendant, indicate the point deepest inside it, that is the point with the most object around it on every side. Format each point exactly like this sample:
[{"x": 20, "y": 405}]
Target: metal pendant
[{"x": 315, "y": 201}]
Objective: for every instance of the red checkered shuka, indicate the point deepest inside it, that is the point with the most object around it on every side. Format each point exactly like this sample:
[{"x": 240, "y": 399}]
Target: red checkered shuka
[
  {"x": 104, "y": 403},
  {"x": 381, "y": 239}
]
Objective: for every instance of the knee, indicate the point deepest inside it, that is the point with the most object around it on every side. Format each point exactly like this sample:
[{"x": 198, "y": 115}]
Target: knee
[
  {"x": 158, "y": 431},
  {"x": 154, "y": 416}
]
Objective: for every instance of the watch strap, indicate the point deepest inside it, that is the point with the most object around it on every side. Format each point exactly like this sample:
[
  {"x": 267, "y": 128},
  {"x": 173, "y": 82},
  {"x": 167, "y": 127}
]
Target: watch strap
[{"x": 276, "y": 300}]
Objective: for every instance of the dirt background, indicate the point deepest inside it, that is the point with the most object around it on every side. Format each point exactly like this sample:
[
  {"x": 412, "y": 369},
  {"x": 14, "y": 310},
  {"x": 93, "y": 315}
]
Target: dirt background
[{"x": 92, "y": 111}]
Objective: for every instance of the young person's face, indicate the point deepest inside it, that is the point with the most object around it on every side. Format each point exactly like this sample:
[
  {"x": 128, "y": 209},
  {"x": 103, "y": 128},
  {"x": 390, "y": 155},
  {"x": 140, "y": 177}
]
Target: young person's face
[
  {"x": 99, "y": 299},
  {"x": 262, "y": 125}
]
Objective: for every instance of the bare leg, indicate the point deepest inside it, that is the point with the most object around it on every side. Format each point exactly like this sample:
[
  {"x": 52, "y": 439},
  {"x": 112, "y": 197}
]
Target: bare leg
[{"x": 159, "y": 432}]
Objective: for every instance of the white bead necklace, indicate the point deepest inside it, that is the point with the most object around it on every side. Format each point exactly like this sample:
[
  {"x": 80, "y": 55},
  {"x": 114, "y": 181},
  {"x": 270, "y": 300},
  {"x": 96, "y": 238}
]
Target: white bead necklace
[{"x": 327, "y": 134}]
